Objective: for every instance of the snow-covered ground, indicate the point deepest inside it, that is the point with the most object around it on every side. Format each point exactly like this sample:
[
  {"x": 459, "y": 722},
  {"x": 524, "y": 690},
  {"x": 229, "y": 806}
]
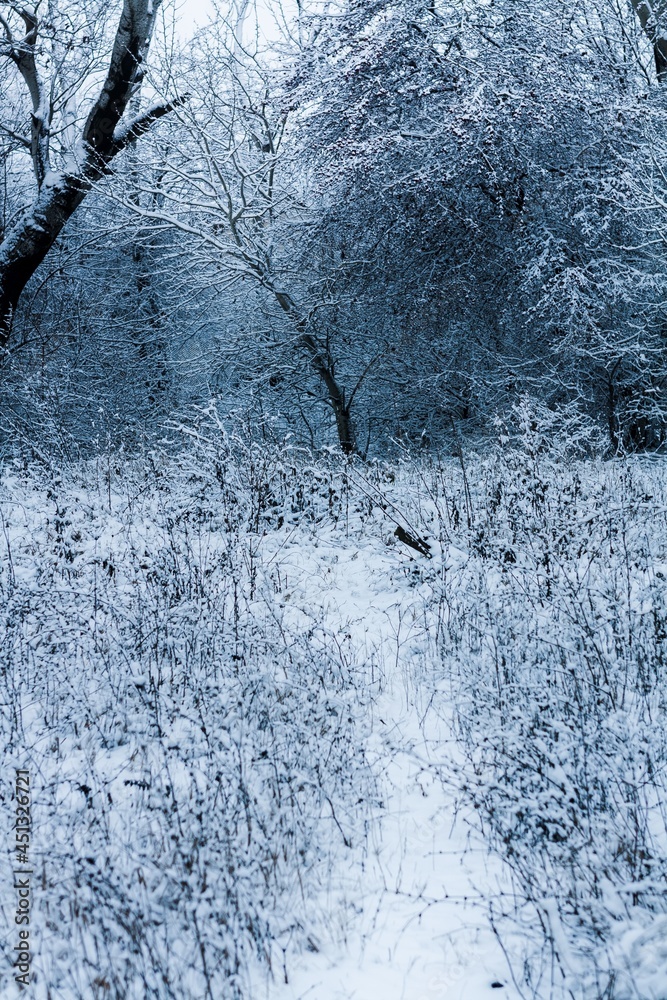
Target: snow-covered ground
[
  {"x": 277, "y": 753},
  {"x": 410, "y": 923}
]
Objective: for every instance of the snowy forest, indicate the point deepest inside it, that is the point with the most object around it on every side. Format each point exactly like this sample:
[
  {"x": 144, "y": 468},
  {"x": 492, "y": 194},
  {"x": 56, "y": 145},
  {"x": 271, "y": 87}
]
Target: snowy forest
[{"x": 333, "y": 499}]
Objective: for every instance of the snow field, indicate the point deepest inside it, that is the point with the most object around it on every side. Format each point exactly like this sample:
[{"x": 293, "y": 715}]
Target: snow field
[{"x": 272, "y": 746}]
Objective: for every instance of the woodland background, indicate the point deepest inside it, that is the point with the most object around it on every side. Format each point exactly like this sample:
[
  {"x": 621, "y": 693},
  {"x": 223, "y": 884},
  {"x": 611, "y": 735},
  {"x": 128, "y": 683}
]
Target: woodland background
[
  {"x": 368, "y": 222},
  {"x": 333, "y": 510}
]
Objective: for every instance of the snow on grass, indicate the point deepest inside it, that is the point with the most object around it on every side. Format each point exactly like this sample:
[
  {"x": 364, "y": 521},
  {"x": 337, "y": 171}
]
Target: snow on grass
[
  {"x": 411, "y": 925},
  {"x": 556, "y": 647},
  {"x": 271, "y": 745}
]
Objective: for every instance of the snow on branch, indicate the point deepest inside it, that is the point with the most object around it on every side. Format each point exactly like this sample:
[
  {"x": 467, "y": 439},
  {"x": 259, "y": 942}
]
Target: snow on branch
[{"x": 136, "y": 127}]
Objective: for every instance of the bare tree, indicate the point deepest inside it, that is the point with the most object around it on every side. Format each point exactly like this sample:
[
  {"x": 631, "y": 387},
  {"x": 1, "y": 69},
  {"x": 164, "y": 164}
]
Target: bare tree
[
  {"x": 232, "y": 191},
  {"x": 95, "y": 141}
]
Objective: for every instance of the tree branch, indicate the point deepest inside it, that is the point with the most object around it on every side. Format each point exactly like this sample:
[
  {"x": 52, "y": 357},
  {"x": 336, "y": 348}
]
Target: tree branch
[
  {"x": 126, "y": 71},
  {"x": 133, "y": 130},
  {"x": 22, "y": 53},
  {"x": 21, "y": 139},
  {"x": 29, "y": 240}
]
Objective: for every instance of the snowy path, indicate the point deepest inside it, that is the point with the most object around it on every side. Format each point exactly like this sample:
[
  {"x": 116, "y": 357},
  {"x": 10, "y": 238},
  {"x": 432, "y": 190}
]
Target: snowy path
[
  {"x": 252, "y": 714},
  {"x": 406, "y": 927}
]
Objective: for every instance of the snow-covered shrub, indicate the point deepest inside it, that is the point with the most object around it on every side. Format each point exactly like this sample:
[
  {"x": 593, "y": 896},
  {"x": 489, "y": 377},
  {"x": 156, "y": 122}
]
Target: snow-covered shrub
[
  {"x": 199, "y": 704},
  {"x": 197, "y": 757},
  {"x": 554, "y": 628}
]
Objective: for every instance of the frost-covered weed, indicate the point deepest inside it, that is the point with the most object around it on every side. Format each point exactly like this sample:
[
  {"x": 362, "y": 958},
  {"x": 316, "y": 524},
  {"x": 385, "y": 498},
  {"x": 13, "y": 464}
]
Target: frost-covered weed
[
  {"x": 553, "y": 628},
  {"x": 198, "y": 734},
  {"x": 197, "y": 758}
]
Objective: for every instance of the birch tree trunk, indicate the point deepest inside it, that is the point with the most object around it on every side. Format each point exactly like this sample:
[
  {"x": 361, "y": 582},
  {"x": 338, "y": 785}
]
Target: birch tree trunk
[{"x": 103, "y": 136}]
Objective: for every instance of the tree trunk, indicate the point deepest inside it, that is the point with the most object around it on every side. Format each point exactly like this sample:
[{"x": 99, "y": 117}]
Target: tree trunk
[
  {"x": 651, "y": 16},
  {"x": 28, "y": 242},
  {"x": 336, "y": 395},
  {"x": 323, "y": 367},
  {"x": 59, "y": 194}
]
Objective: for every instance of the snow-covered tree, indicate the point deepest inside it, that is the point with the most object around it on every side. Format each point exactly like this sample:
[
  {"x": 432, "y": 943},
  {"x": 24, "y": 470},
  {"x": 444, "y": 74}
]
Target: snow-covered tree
[
  {"x": 57, "y": 54},
  {"x": 233, "y": 193},
  {"x": 472, "y": 167}
]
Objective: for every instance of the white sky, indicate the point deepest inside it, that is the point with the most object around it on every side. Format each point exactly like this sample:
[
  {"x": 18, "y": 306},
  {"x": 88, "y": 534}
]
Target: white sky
[{"x": 192, "y": 14}]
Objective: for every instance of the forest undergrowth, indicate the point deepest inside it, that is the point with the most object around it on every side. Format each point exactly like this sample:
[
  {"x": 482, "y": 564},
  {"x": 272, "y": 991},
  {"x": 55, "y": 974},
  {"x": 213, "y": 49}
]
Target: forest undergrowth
[{"x": 199, "y": 737}]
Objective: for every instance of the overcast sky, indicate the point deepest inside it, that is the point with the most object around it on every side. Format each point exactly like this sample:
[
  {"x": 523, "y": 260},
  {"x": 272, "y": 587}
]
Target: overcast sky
[{"x": 194, "y": 13}]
